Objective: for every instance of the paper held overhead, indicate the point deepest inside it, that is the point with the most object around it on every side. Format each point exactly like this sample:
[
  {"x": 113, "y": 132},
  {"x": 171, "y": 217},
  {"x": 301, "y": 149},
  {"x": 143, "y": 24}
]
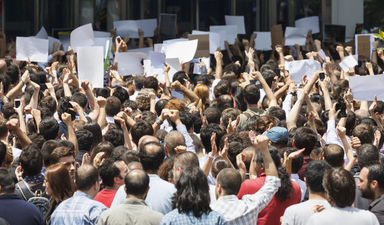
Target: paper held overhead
[
  {"x": 214, "y": 40},
  {"x": 230, "y": 34},
  {"x": 299, "y": 68},
  {"x": 129, "y": 63},
  {"x": 132, "y": 27},
  {"x": 42, "y": 34},
  {"x": 90, "y": 65},
  {"x": 349, "y": 61},
  {"x": 310, "y": 23},
  {"x": 82, "y": 36},
  {"x": 238, "y": 21},
  {"x": 263, "y": 41},
  {"x": 34, "y": 48},
  {"x": 364, "y": 88},
  {"x": 295, "y": 35},
  {"x": 184, "y": 51},
  {"x": 202, "y": 45}
]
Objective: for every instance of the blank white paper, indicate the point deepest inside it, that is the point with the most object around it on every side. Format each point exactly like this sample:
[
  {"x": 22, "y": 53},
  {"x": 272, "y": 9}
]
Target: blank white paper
[
  {"x": 90, "y": 65},
  {"x": 132, "y": 27},
  {"x": 82, "y": 36},
  {"x": 238, "y": 21},
  {"x": 129, "y": 63},
  {"x": 295, "y": 35},
  {"x": 263, "y": 41},
  {"x": 230, "y": 34},
  {"x": 175, "y": 66},
  {"x": 184, "y": 50},
  {"x": 349, "y": 61},
  {"x": 364, "y": 88},
  {"x": 310, "y": 23},
  {"x": 214, "y": 40},
  {"x": 157, "y": 59},
  {"x": 299, "y": 68},
  {"x": 146, "y": 51},
  {"x": 102, "y": 42},
  {"x": 34, "y": 48},
  {"x": 42, "y": 33},
  {"x": 322, "y": 54}
]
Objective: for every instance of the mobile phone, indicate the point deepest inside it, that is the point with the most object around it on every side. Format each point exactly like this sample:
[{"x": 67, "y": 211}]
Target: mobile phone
[
  {"x": 321, "y": 76},
  {"x": 341, "y": 106},
  {"x": 17, "y": 103},
  {"x": 118, "y": 38}
]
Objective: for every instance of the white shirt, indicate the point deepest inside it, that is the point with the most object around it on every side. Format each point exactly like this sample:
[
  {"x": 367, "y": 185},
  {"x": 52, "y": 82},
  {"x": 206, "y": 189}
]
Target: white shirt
[
  {"x": 303, "y": 186},
  {"x": 299, "y": 214},
  {"x": 133, "y": 97}
]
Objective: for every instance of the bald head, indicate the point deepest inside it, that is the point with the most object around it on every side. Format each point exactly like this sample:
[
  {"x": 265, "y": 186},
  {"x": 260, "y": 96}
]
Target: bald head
[
  {"x": 146, "y": 139},
  {"x": 3, "y": 66},
  {"x": 230, "y": 181},
  {"x": 361, "y": 113},
  {"x": 136, "y": 183},
  {"x": 134, "y": 166},
  {"x": 172, "y": 140},
  {"x": 85, "y": 177}
]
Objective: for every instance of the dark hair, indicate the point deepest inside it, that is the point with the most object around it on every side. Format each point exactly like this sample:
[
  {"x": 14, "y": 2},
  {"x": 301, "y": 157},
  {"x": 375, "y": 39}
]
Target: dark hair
[
  {"x": 49, "y": 128},
  {"x": 376, "y": 172},
  {"x": 59, "y": 152},
  {"x": 103, "y": 92},
  {"x": 224, "y": 102},
  {"x": 229, "y": 113},
  {"x": 230, "y": 180},
  {"x": 13, "y": 73},
  {"x": 95, "y": 129},
  {"x": 192, "y": 192},
  {"x": 139, "y": 82},
  {"x": 66, "y": 143},
  {"x": 367, "y": 155},
  {"x": 314, "y": 173},
  {"x": 60, "y": 181},
  {"x": 305, "y": 138},
  {"x": 64, "y": 107},
  {"x": 131, "y": 104},
  {"x": 6, "y": 82},
  {"x": 3, "y": 152},
  {"x": 252, "y": 93},
  {"x": 80, "y": 99},
  {"x": 180, "y": 76},
  {"x": 131, "y": 156},
  {"x": 47, "y": 149},
  {"x": 187, "y": 118},
  {"x": 8, "y": 110},
  {"x": 136, "y": 182},
  {"x": 152, "y": 82},
  {"x": 108, "y": 171},
  {"x": 222, "y": 88},
  {"x": 277, "y": 112},
  {"x": 115, "y": 136},
  {"x": 31, "y": 160},
  {"x": 151, "y": 160},
  {"x": 197, "y": 143},
  {"x": 149, "y": 116},
  {"x": 340, "y": 186},
  {"x": 160, "y": 106},
  {"x": 84, "y": 139},
  {"x": 205, "y": 135},
  {"x": 113, "y": 106},
  {"x": 364, "y": 132},
  {"x": 166, "y": 169},
  {"x": 104, "y": 146},
  {"x": 235, "y": 148},
  {"x": 297, "y": 162},
  {"x": 7, "y": 183},
  {"x": 140, "y": 129},
  {"x": 269, "y": 76},
  {"x": 119, "y": 151},
  {"x": 48, "y": 102},
  {"x": 219, "y": 164},
  {"x": 86, "y": 176},
  {"x": 334, "y": 155},
  {"x": 121, "y": 94},
  {"x": 213, "y": 115}
]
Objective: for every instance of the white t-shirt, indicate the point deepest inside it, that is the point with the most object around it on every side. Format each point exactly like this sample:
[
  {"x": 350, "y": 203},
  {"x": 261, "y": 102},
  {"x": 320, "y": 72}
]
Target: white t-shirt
[{"x": 299, "y": 214}]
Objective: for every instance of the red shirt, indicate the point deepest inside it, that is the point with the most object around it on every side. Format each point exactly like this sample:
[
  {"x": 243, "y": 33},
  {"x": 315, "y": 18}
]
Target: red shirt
[
  {"x": 271, "y": 214},
  {"x": 105, "y": 197},
  {"x": 301, "y": 171}
]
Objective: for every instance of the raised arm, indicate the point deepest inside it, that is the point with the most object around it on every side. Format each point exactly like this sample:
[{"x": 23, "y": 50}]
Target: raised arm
[
  {"x": 71, "y": 132},
  {"x": 219, "y": 65},
  {"x": 272, "y": 100},
  {"x": 187, "y": 92},
  {"x": 292, "y": 117},
  {"x": 91, "y": 100}
]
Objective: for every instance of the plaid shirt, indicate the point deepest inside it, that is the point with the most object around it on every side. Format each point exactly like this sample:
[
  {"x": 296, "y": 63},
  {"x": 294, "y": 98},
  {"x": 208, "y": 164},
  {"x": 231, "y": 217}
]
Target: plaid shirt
[
  {"x": 174, "y": 217},
  {"x": 79, "y": 209},
  {"x": 245, "y": 211}
]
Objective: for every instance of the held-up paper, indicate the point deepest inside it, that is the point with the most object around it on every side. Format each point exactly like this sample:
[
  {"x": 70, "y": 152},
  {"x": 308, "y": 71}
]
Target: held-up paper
[
  {"x": 101, "y": 42},
  {"x": 175, "y": 66},
  {"x": 299, "y": 68},
  {"x": 132, "y": 27},
  {"x": 101, "y": 34},
  {"x": 51, "y": 41},
  {"x": 230, "y": 34},
  {"x": 364, "y": 88},
  {"x": 263, "y": 41},
  {"x": 214, "y": 40},
  {"x": 322, "y": 54},
  {"x": 310, "y": 23},
  {"x": 34, "y": 48},
  {"x": 238, "y": 21},
  {"x": 184, "y": 50},
  {"x": 82, "y": 36},
  {"x": 157, "y": 47},
  {"x": 349, "y": 61},
  {"x": 202, "y": 45},
  {"x": 129, "y": 63},
  {"x": 146, "y": 51},
  {"x": 196, "y": 66},
  {"x": 157, "y": 59},
  {"x": 42, "y": 34},
  {"x": 90, "y": 65},
  {"x": 295, "y": 35}
]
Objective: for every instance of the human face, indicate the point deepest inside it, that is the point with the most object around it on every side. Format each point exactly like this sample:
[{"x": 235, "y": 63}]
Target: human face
[
  {"x": 70, "y": 163},
  {"x": 123, "y": 171},
  {"x": 48, "y": 189},
  {"x": 364, "y": 186}
]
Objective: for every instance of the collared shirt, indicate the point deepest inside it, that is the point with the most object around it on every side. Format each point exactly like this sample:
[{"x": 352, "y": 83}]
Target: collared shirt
[
  {"x": 79, "y": 209},
  {"x": 303, "y": 186},
  {"x": 299, "y": 214},
  {"x": 202, "y": 161},
  {"x": 131, "y": 211},
  {"x": 159, "y": 196},
  {"x": 377, "y": 208},
  {"x": 133, "y": 97},
  {"x": 174, "y": 217},
  {"x": 245, "y": 211}
]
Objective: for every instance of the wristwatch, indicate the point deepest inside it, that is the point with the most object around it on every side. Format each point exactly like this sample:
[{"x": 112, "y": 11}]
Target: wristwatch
[{"x": 158, "y": 121}]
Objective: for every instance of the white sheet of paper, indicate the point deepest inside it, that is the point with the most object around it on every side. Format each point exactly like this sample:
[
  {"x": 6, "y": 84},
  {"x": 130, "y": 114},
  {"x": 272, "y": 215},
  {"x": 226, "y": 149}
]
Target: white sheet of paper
[
  {"x": 131, "y": 26},
  {"x": 310, "y": 23},
  {"x": 34, "y": 48},
  {"x": 101, "y": 34},
  {"x": 322, "y": 54},
  {"x": 101, "y": 42},
  {"x": 184, "y": 50},
  {"x": 214, "y": 40},
  {"x": 147, "y": 67},
  {"x": 42, "y": 34},
  {"x": 263, "y": 40},
  {"x": 348, "y": 61},
  {"x": 175, "y": 66},
  {"x": 82, "y": 36},
  {"x": 295, "y": 35},
  {"x": 129, "y": 63},
  {"x": 364, "y": 88},
  {"x": 66, "y": 41},
  {"x": 238, "y": 21},
  {"x": 148, "y": 26},
  {"x": 51, "y": 41},
  {"x": 165, "y": 43},
  {"x": 90, "y": 65},
  {"x": 157, "y": 59},
  {"x": 230, "y": 35},
  {"x": 146, "y": 51},
  {"x": 299, "y": 68},
  {"x": 196, "y": 67},
  {"x": 157, "y": 47},
  {"x": 372, "y": 39}
]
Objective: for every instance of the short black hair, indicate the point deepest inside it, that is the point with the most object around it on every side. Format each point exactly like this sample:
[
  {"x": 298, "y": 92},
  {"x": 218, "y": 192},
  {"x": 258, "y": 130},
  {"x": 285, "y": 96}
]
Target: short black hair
[
  {"x": 47, "y": 149},
  {"x": 213, "y": 115},
  {"x": 108, "y": 171},
  {"x": 252, "y": 94},
  {"x": 6, "y": 82},
  {"x": 297, "y": 162},
  {"x": 136, "y": 182},
  {"x": 86, "y": 176},
  {"x": 277, "y": 112},
  {"x": 80, "y": 99},
  {"x": 269, "y": 76},
  {"x": 49, "y": 128},
  {"x": 180, "y": 76},
  {"x": 151, "y": 82},
  {"x": 314, "y": 173},
  {"x": 367, "y": 155},
  {"x": 7, "y": 183},
  {"x": 187, "y": 118},
  {"x": 31, "y": 160},
  {"x": 103, "y": 92},
  {"x": 139, "y": 82},
  {"x": 64, "y": 107},
  {"x": 206, "y": 133},
  {"x": 115, "y": 136},
  {"x": 140, "y": 129},
  {"x": 151, "y": 160},
  {"x": 376, "y": 172},
  {"x": 230, "y": 181},
  {"x": 113, "y": 106},
  {"x": 131, "y": 156},
  {"x": 3, "y": 152},
  {"x": 235, "y": 148},
  {"x": 306, "y": 138},
  {"x": 84, "y": 139},
  {"x": 160, "y": 106},
  {"x": 121, "y": 94},
  {"x": 13, "y": 73}
]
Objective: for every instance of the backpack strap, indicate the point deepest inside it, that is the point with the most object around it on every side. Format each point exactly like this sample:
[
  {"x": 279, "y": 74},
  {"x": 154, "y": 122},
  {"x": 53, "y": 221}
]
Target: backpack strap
[
  {"x": 24, "y": 191},
  {"x": 247, "y": 115}
]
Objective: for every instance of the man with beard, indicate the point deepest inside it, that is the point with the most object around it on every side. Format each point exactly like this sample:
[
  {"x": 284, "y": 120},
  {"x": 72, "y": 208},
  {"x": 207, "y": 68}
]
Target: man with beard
[{"x": 371, "y": 185}]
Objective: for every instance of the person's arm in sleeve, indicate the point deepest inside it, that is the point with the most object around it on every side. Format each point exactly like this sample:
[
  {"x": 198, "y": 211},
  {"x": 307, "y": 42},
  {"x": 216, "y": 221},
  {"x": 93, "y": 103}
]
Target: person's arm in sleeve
[
  {"x": 174, "y": 116},
  {"x": 331, "y": 127}
]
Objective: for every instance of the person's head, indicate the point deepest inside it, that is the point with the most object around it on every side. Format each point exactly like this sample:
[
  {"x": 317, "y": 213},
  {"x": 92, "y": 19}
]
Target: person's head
[
  {"x": 80, "y": 99},
  {"x": 213, "y": 115},
  {"x": 151, "y": 156},
  {"x": 146, "y": 139},
  {"x": 269, "y": 77},
  {"x": 65, "y": 107},
  {"x": 188, "y": 119},
  {"x": 313, "y": 175},
  {"x": 7, "y": 184},
  {"x": 121, "y": 94},
  {"x": 224, "y": 102},
  {"x": 6, "y": 80},
  {"x": 142, "y": 99},
  {"x": 367, "y": 155},
  {"x": 159, "y": 106},
  {"x": 130, "y": 156},
  {"x": 49, "y": 128},
  {"x": 13, "y": 72},
  {"x": 115, "y": 137},
  {"x": 87, "y": 180},
  {"x": 58, "y": 183},
  {"x": 278, "y": 137},
  {"x": 66, "y": 156},
  {"x": 180, "y": 76},
  {"x": 152, "y": 82},
  {"x": 219, "y": 163},
  {"x": 222, "y": 88},
  {"x": 334, "y": 155},
  {"x": 229, "y": 114},
  {"x": 138, "y": 81},
  {"x": 234, "y": 148},
  {"x": 137, "y": 184},
  {"x": 104, "y": 146},
  {"x": 113, "y": 106},
  {"x": 48, "y": 102},
  {"x": 192, "y": 195},
  {"x": 183, "y": 160},
  {"x": 364, "y": 132},
  {"x": 113, "y": 171},
  {"x": 340, "y": 187},
  {"x": 103, "y": 92},
  {"x": 47, "y": 149},
  {"x": 84, "y": 139},
  {"x": 251, "y": 94},
  {"x": 297, "y": 162},
  {"x": 228, "y": 182},
  {"x": 202, "y": 91},
  {"x": 3, "y": 128},
  {"x": 134, "y": 165},
  {"x": 31, "y": 160},
  {"x": 140, "y": 129},
  {"x": 171, "y": 141},
  {"x": 306, "y": 138},
  {"x": 205, "y": 135},
  {"x": 95, "y": 129},
  {"x": 371, "y": 181},
  {"x": 175, "y": 104}
]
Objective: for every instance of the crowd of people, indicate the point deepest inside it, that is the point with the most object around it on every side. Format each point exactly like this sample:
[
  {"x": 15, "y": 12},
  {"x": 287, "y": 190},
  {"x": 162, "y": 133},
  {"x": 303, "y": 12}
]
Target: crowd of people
[{"x": 240, "y": 143}]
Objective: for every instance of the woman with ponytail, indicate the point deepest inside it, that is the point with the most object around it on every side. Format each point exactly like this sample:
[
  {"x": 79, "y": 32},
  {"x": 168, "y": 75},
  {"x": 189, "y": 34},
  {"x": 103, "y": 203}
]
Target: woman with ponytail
[{"x": 202, "y": 91}]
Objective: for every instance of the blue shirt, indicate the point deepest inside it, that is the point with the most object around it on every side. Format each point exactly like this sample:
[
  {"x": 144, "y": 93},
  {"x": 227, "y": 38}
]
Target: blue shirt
[
  {"x": 79, "y": 209},
  {"x": 175, "y": 217}
]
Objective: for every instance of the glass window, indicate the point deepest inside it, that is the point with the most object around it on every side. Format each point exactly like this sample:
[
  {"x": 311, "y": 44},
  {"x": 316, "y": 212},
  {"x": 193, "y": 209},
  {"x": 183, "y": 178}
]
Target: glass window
[
  {"x": 55, "y": 14},
  {"x": 209, "y": 17},
  {"x": 19, "y": 18}
]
